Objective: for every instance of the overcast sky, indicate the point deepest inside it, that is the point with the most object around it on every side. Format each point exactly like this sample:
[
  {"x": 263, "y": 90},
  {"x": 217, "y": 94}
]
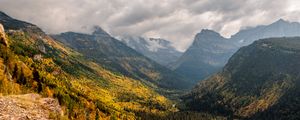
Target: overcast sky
[{"x": 175, "y": 20}]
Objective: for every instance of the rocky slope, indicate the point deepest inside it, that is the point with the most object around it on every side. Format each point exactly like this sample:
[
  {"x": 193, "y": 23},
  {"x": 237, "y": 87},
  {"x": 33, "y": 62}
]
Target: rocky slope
[
  {"x": 157, "y": 49},
  {"x": 260, "y": 81},
  {"x": 29, "y": 106},
  {"x": 210, "y": 51}
]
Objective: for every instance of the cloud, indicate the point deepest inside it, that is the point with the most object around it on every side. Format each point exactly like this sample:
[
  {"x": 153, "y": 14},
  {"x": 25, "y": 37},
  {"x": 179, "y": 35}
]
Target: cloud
[{"x": 175, "y": 20}]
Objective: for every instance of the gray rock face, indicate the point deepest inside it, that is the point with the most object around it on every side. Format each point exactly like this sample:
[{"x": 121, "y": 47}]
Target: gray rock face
[
  {"x": 210, "y": 51},
  {"x": 157, "y": 49}
]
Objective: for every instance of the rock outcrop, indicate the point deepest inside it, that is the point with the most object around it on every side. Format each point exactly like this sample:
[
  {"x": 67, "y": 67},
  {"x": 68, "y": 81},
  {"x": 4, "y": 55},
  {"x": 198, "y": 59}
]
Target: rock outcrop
[
  {"x": 3, "y": 39},
  {"x": 29, "y": 107}
]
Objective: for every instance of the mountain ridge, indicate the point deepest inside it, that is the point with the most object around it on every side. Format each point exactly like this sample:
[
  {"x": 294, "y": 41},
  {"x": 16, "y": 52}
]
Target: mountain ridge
[
  {"x": 36, "y": 63},
  {"x": 226, "y": 47},
  {"x": 254, "y": 82},
  {"x": 206, "y": 55},
  {"x": 116, "y": 56}
]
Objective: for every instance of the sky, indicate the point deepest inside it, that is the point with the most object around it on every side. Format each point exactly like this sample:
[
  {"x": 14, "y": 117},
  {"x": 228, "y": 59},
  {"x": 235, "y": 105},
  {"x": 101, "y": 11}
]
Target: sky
[{"x": 175, "y": 20}]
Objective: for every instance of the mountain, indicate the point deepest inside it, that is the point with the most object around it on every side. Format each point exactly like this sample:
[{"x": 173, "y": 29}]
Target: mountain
[
  {"x": 279, "y": 28},
  {"x": 33, "y": 62},
  {"x": 116, "y": 56},
  {"x": 210, "y": 51},
  {"x": 260, "y": 81},
  {"x": 157, "y": 49}
]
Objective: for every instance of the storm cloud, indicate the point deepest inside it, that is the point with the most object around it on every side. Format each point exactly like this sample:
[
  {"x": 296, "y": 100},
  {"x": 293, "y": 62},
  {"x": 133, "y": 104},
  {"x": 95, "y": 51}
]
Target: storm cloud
[{"x": 175, "y": 20}]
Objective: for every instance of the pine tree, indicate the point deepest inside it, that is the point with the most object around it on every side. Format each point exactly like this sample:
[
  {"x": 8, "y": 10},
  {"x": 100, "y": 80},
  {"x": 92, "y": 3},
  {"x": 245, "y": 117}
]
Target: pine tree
[{"x": 22, "y": 79}]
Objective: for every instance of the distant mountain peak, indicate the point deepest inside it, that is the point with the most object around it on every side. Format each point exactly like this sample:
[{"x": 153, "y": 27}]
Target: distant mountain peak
[
  {"x": 161, "y": 41},
  {"x": 208, "y": 32},
  {"x": 99, "y": 31},
  {"x": 156, "y": 39},
  {"x": 210, "y": 49},
  {"x": 281, "y": 21},
  {"x": 207, "y": 35}
]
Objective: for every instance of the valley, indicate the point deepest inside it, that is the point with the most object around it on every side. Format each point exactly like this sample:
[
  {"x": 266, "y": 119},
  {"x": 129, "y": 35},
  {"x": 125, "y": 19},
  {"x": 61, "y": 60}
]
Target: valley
[{"x": 101, "y": 75}]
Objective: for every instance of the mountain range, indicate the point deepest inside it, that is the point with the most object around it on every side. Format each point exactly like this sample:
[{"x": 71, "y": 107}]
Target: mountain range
[
  {"x": 260, "y": 81},
  {"x": 157, "y": 49},
  {"x": 210, "y": 51},
  {"x": 254, "y": 74},
  {"x": 117, "y": 57},
  {"x": 33, "y": 62}
]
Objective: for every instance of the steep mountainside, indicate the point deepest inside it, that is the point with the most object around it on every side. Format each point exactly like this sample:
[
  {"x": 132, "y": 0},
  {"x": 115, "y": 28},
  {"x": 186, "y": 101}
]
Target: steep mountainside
[
  {"x": 216, "y": 50},
  {"x": 208, "y": 54},
  {"x": 259, "y": 81},
  {"x": 32, "y": 62},
  {"x": 116, "y": 56},
  {"x": 157, "y": 49}
]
